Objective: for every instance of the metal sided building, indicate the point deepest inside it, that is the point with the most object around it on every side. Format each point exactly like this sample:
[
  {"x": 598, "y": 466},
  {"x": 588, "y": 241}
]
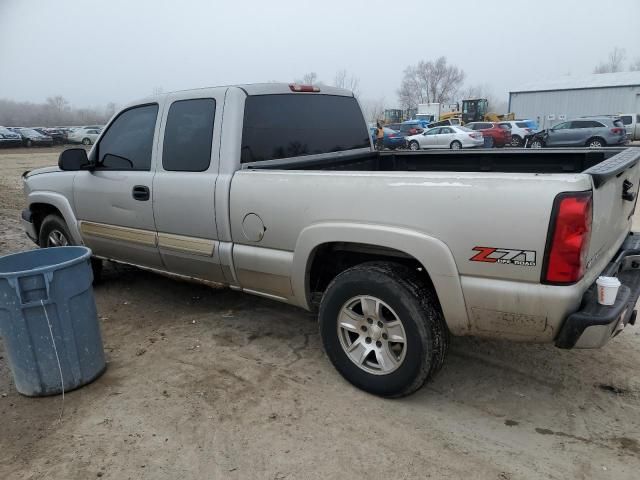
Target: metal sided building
[{"x": 550, "y": 102}]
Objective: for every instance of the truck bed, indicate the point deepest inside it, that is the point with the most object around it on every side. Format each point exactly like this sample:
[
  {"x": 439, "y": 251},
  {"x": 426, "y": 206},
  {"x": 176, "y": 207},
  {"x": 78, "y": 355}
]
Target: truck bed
[{"x": 481, "y": 160}]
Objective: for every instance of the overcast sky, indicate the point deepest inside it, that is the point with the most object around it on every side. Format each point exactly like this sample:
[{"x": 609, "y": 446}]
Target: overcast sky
[{"x": 93, "y": 52}]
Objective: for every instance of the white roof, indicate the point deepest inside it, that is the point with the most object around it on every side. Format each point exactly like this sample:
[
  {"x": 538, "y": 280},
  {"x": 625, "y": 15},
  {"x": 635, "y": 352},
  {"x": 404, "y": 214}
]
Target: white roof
[{"x": 595, "y": 80}]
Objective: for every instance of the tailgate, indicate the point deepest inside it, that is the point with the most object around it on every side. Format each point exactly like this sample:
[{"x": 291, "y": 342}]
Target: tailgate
[{"x": 615, "y": 193}]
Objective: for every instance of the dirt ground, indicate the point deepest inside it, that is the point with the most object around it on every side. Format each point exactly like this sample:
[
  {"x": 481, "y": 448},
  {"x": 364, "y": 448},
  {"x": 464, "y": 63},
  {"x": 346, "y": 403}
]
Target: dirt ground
[{"x": 211, "y": 383}]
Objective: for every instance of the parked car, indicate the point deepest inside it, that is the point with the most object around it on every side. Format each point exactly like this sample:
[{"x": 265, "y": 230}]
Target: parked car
[
  {"x": 631, "y": 122},
  {"x": 495, "y": 135},
  {"x": 392, "y": 138},
  {"x": 83, "y": 135},
  {"x": 396, "y": 251},
  {"x": 58, "y": 136},
  {"x": 451, "y": 137},
  {"x": 9, "y": 138},
  {"x": 521, "y": 133},
  {"x": 591, "y": 132},
  {"x": 32, "y": 138},
  {"x": 532, "y": 124}
]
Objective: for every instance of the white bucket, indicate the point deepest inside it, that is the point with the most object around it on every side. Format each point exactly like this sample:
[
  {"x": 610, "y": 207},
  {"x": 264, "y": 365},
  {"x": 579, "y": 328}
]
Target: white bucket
[{"x": 607, "y": 290}]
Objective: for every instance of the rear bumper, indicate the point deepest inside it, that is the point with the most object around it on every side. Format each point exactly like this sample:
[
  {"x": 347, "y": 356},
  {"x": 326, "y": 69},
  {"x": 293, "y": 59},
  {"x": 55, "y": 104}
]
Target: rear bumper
[{"x": 593, "y": 325}]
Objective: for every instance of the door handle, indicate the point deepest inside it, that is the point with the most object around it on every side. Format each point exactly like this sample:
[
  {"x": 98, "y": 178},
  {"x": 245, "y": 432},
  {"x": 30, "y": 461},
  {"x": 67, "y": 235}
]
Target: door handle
[{"x": 141, "y": 192}]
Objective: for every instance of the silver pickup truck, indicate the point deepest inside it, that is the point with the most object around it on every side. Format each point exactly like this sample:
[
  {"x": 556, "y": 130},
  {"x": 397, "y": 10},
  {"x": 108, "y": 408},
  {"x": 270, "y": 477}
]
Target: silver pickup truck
[{"x": 275, "y": 190}]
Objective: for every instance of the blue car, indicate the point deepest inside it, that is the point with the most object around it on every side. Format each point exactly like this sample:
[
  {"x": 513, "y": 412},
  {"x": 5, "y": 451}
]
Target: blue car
[{"x": 392, "y": 138}]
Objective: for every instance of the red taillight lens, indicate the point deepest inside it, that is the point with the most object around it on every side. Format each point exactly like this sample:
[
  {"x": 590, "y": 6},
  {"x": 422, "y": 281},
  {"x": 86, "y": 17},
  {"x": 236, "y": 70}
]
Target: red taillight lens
[
  {"x": 393, "y": 135},
  {"x": 303, "y": 88},
  {"x": 571, "y": 231},
  {"x": 616, "y": 131}
]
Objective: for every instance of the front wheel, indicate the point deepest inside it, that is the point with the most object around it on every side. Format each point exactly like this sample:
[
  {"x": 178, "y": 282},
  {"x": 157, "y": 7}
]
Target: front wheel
[
  {"x": 29, "y": 144},
  {"x": 537, "y": 143},
  {"x": 516, "y": 141},
  {"x": 414, "y": 146},
  {"x": 382, "y": 329},
  {"x": 455, "y": 145},
  {"x": 86, "y": 141}
]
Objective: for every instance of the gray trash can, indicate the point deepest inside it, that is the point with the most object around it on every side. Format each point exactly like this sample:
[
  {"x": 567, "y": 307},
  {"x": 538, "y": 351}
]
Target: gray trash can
[{"x": 48, "y": 320}]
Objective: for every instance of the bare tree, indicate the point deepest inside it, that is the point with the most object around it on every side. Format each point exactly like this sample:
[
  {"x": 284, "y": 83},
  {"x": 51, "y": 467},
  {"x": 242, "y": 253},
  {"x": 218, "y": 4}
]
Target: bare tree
[
  {"x": 373, "y": 109},
  {"x": 429, "y": 82},
  {"x": 309, "y": 78},
  {"x": 58, "y": 103},
  {"x": 635, "y": 65},
  {"x": 614, "y": 62},
  {"x": 343, "y": 80}
]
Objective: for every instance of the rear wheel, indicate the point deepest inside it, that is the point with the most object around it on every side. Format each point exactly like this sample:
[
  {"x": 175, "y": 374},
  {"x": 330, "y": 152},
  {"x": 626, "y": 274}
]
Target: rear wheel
[
  {"x": 413, "y": 145},
  {"x": 382, "y": 328},
  {"x": 55, "y": 233},
  {"x": 86, "y": 141},
  {"x": 516, "y": 141},
  {"x": 455, "y": 145},
  {"x": 537, "y": 143},
  {"x": 596, "y": 143}
]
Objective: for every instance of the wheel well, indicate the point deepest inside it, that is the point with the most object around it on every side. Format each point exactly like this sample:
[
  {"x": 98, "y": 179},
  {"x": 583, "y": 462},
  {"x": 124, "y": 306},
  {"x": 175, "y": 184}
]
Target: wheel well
[
  {"x": 330, "y": 259},
  {"x": 39, "y": 212}
]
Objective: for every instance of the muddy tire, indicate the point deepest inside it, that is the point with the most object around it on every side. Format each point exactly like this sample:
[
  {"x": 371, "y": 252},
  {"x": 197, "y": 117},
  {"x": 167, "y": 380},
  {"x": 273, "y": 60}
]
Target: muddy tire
[
  {"x": 55, "y": 233},
  {"x": 382, "y": 328}
]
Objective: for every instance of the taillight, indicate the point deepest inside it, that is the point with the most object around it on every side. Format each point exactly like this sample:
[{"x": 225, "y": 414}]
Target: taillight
[
  {"x": 568, "y": 241},
  {"x": 616, "y": 131},
  {"x": 303, "y": 88}
]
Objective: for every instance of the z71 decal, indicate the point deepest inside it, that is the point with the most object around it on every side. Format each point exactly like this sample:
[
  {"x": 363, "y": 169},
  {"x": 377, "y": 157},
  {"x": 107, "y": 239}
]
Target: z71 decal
[{"x": 524, "y": 258}]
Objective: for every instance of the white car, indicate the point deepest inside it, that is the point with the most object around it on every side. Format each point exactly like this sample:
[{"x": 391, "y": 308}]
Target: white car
[
  {"x": 86, "y": 135},
  {"x": 452, "y": 137},
  {"x": 520, "y": 132}
]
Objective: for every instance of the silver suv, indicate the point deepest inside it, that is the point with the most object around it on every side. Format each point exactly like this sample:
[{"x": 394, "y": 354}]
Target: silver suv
[{"x": 588, "y": 132}]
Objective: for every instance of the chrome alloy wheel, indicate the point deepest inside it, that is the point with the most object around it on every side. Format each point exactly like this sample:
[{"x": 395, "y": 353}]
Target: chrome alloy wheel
[
  {"x": 372, "y": 335},
  {"x": 57, "y": 239}
]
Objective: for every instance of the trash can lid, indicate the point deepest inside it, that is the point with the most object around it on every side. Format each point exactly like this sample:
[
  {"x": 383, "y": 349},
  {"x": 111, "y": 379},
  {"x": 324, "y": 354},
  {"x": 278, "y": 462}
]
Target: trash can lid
[{"x": 41, "y": 260}]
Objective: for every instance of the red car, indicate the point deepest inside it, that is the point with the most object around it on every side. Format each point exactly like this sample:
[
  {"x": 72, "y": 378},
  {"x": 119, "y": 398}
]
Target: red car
[{"x": 495, "y": 135}]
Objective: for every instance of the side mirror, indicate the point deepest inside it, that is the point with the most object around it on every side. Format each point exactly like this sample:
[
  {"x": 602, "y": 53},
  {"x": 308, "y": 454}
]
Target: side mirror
[{"x": 73, "y": 159}]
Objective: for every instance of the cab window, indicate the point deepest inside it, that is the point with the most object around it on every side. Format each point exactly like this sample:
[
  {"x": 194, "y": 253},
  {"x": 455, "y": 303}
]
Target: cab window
[
  {"x": 188, "y": 135},
  {"x": 128, "y": 142},
  {"x": 291, "y": 125}
]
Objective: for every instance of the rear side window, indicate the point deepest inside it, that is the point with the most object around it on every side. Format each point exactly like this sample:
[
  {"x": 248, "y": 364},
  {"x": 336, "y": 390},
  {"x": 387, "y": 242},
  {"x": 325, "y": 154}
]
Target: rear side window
[
  {"x": 128, "y": 142},
  {"x": 626, "y": 119},
  {"x": 188, "y": 135},
  {"x": 290, "y": 125},
  {"x": 522, "y": 124}
]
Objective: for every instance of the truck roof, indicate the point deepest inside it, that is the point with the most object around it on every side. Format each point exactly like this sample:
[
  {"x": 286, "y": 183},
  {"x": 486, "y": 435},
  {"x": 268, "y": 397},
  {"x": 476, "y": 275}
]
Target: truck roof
[{"x": 271, "y": 88}]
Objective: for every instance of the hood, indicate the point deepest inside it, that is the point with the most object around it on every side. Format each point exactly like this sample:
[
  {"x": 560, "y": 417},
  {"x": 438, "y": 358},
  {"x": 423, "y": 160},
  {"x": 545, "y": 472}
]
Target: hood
[{"x": 38, "y": 171}]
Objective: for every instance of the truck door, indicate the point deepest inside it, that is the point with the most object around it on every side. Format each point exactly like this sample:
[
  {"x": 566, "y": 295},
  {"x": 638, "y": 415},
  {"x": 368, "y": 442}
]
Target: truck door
[
  {"x": 114, "y": 202},
  {"x": 185, "y": 181}
]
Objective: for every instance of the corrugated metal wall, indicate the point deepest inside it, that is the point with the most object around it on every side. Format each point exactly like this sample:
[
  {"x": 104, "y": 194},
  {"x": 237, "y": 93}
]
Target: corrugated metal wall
[{"x": 574, "y": 103}]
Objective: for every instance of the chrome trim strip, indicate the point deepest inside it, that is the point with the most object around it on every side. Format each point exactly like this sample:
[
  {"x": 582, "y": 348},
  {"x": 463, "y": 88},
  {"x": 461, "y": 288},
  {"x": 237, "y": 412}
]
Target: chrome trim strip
[
  {"x": 114, "y": 232},
  {"x": 181, "y": 243}
]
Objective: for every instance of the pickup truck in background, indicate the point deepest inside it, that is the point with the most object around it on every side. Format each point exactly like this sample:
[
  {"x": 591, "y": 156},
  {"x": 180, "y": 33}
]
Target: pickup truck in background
[{"x": 275, "y": 190}]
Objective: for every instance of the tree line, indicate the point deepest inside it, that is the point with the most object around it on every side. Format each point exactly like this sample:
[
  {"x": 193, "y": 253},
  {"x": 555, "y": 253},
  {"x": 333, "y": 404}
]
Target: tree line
[{"x": 55, "y": 112}]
